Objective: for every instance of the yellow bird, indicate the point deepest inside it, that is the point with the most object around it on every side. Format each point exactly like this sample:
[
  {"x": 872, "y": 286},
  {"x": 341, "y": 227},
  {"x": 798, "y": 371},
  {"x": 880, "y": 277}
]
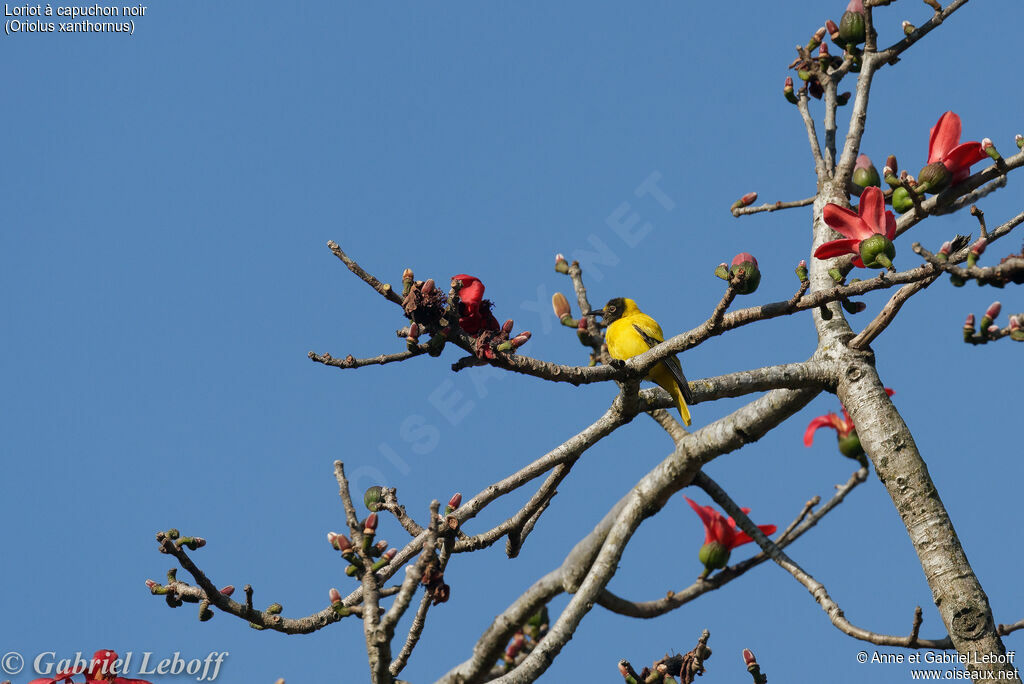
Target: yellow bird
[{"x": 632, "y": 332}]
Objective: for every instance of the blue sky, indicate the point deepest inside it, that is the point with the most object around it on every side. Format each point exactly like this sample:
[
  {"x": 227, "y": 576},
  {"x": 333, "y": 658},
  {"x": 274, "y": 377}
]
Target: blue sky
[{"x": 168, "y": 197}]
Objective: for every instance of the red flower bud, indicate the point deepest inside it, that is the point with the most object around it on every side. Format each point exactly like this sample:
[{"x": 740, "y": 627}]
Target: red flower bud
[
  {"x": 969, "y": 323},
  {"x": 560, "y": 305},
  {"x": 390, "y": 553},
  {"x": 370, "y": 525},
  {"x": 833, "y": 30},
  {"x": 749, "y": 199},
  {"x": 428, "y": 286},
  {"x": 1014, "y": 323},
  {"x": 978, "y": 248},
  {"x": 150, "y": 583},
  {"x": 228, "y": 590},
  {"x": 455, "y": 501},
  {"x": 521, "y": 339},
  {"x": 334, "y": 595},
  {"x": 339, "y": 541},
  {"x": 993, "y": 329},
  {"x": 993, "y": 310},
  {"x": 823, "y": 50},
  {"x": 507, "y": 326},
  {"x": 748, "y": 657}
]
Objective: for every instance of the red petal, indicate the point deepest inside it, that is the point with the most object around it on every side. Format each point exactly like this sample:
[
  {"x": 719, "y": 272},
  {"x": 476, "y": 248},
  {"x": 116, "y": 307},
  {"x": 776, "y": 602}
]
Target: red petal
[
  {"x": 472, "y": 289},
  {"x": 828, "y": 420},
  {"x": 890, "y": 225},
  {"x": 945, "y": 135},
  {"x": 858, "y": 262},
  {"x": 838, "y": 248},
  {"x": 872, "y": 209},
  {"x": 845, "y": 222},
  {"x": 743, "y": 538},
  {"x": 705, "y": 514},
  {"x": 959, "y": 159}
]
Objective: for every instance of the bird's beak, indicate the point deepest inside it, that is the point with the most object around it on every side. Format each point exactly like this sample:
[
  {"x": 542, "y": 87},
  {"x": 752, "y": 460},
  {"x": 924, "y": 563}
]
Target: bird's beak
[{"x": 595, "y": 312}]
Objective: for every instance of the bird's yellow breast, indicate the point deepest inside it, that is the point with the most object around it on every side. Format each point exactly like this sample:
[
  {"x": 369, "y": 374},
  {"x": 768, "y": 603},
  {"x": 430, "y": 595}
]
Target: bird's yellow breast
[{"x": 624, "y": 342}]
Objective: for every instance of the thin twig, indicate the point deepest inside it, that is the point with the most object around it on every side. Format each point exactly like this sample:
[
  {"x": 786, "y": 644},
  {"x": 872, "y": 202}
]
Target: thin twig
[{"x": 772, "y": 206}]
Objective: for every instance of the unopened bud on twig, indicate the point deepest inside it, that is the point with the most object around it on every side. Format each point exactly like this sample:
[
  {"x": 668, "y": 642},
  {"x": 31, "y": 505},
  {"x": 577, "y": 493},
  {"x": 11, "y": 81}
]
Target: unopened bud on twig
[
  {"x": 745, "y": 201},
  {"x": 453, "y": 503},
  {"x": 370, "y": 524},
  {"x": 787, "y": 90},
  {"x": 969, "y": 328},
  {"x": 864, "y": 173},
  {"x": 334, "y": 595},
  {"x": 801, "y": 270},
  {"x": 990, "y": 149},
  {"x": 561, "y": 265}
]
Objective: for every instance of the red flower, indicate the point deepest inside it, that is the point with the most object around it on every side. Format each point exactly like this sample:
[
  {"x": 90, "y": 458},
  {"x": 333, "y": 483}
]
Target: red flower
[
  {"x": 475, "y": 312},
  {"x": 723, "y": 530},
  {"x": 944, "y": 146},
  {"x": 100, "y": 669},
  {"x": 869, "y": 232},
  {"x": 849, "y": 442}
]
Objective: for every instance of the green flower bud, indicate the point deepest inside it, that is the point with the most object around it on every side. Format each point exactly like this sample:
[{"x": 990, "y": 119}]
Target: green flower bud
[
  {"x": 373, "y": 497},
  {"x": 852, "y": 29},
  {"x": 936, "y": 177},
  {"x": 901, "y": 202},
  {"x": 850, "y": 447},
  {"x": 877, "y": 252},
  {"x": 714, "y": 556}
]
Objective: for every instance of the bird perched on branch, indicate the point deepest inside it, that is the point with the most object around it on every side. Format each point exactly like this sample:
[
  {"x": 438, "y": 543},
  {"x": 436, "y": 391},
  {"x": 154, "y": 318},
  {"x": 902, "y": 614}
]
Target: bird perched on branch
[{"x": 632, "y": 332}]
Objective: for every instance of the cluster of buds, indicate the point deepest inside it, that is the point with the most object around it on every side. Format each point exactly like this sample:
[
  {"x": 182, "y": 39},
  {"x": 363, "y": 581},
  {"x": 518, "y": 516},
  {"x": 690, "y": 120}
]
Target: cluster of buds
[
  {"x": 424, "y": 306},
  {"x": 743, "y": 272},
  {"x": 989, "y": 330},
  {"x": 433, "y": 581},
  {"x": 685, "y": 666},
  {"x": 371, "y": 550},
  {"x": 525, "y": 638},
  {"x": 847, "y": 35}
]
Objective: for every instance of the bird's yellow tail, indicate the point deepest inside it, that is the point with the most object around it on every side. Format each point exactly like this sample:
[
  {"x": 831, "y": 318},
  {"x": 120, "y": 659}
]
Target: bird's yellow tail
[
  {"x": 661, "y": 376},
  {"x": 684, "y": 410}
]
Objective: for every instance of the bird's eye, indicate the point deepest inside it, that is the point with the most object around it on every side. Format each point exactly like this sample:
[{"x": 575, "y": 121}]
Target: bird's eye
[{"x": 611, "y": 309}]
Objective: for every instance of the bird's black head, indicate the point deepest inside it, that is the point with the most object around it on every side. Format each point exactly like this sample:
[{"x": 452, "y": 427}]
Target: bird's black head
[{"x": 613, "y": 310}]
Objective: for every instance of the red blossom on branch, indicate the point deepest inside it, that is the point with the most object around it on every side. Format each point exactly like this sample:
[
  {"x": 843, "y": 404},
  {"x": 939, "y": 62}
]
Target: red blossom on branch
[
  {"x": 949, "y": 161},
  {"x": 475, "y": 314},
  {"x": 868, "y": 232},
  {"x": 849, "y": 442},
  {"x": 721, "y": 536}
]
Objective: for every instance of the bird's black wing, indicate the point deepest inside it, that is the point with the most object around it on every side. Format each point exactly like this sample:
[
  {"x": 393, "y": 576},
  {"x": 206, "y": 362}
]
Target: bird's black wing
[{"x": 672, "y": 363}]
